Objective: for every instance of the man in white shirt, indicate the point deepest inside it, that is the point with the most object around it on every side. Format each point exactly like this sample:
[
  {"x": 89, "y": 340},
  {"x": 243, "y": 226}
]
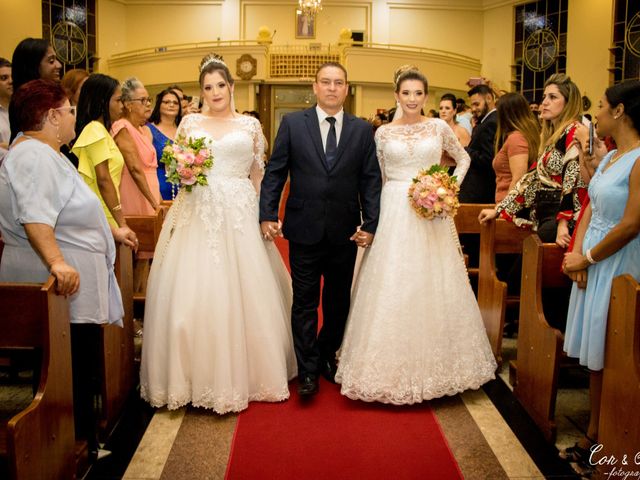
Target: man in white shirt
[{"x": 333, "y": 205}]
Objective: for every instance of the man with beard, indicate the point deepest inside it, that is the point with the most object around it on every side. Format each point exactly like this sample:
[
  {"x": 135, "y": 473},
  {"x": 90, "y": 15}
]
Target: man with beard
[{"x": 479, "y": 185}]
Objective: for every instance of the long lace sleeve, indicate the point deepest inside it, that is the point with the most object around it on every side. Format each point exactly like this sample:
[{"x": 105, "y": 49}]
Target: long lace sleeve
[
  {"x": 452, "y": 146},
  {"x": 186, "y": 125},
  {"x": 379, "y": 139},
  {"x": 257, "y": 167}
]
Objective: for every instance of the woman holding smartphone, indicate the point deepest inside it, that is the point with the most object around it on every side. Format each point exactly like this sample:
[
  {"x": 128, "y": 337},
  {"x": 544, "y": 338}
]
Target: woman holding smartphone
[{"x": 607, "y": 245}]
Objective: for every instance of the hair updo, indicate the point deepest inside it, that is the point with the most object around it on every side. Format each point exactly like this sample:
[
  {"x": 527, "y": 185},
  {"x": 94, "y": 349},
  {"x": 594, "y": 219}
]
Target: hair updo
[
  {"x": 409, "y": 72},
  {"x": 129, "y": 86},
  {"x": 214, "y": 63}
]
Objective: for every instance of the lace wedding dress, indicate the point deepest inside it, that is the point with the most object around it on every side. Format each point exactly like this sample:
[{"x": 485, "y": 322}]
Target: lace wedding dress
[
  {"x": 217, "y": 331},
  {"x": 414, "y": 331}
]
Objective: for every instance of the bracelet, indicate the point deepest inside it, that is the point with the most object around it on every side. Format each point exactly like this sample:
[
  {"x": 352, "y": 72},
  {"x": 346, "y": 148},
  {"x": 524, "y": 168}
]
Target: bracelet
[
  {"x": 117, "y": 208},
  {"x": 589, "y": 257}
]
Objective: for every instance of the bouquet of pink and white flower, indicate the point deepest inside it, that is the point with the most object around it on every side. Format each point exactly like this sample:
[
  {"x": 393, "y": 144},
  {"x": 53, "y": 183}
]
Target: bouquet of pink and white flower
[
  {"x": 186, "y": 161},
  {"x": 434, "y": 193}
]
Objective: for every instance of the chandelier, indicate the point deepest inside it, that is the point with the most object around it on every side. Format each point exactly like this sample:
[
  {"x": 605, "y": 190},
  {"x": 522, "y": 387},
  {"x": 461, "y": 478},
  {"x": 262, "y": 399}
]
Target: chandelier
[{"x": 309, "y": 7}]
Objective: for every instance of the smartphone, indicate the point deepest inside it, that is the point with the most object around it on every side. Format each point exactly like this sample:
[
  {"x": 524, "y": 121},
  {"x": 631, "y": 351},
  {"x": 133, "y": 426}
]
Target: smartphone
[
  {"x": 473, "y": 81},
  {"x": 589, "y": 124}
]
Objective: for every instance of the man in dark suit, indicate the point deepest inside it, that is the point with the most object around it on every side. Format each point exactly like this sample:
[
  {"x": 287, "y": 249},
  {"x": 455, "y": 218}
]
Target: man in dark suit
[
  {"x": 335, "y": 182},
  {"x": 479, "y": 185}
]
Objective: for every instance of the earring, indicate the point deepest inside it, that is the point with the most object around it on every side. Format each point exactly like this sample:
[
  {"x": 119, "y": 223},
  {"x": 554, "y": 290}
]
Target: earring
[
  {"x": 58, "y": 135},
  {"x": 615, "y": 117}
]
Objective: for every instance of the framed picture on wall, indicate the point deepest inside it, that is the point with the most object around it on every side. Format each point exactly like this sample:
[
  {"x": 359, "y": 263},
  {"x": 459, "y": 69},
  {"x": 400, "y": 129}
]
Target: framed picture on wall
[{"x": 305, "y": 25}]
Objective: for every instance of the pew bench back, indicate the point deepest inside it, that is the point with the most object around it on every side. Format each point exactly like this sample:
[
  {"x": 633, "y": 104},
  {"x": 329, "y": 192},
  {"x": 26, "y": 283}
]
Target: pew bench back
[{"x": 40, "y": 440}]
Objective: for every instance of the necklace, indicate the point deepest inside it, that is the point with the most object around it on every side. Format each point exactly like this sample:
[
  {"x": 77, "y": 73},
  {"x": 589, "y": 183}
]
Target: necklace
[{"x": 619, "y": 154}]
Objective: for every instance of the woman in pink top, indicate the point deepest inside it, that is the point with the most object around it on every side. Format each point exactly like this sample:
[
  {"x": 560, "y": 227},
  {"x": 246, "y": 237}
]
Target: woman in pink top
[
  {"x": 517, "y": 142},
  {"x": 139, "y": 188}
]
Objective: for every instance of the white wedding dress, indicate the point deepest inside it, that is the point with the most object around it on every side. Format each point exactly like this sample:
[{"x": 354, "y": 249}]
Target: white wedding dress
[
  {"x": 217, "y": 330},
  {"x": 414, "y": 330}
]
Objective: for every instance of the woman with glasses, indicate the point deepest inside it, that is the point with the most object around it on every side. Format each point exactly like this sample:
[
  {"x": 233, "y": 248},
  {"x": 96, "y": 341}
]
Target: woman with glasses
[
  {"x": 53, "y": 224},
  {"x": 163, "y": 123},
  {"x": 139, "y": 189}
]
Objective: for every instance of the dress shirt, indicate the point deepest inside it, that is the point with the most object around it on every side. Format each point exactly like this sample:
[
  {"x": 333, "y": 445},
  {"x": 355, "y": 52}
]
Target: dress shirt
[{"x": 324, "y": 125}]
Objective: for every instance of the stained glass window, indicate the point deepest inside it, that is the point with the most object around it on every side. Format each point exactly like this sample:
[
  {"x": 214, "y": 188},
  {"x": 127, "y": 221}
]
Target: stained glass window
[
  {"x": 540, "y": 48},
  {"x": 625, "y": 53},
  {"x": 70, "y": 26}
]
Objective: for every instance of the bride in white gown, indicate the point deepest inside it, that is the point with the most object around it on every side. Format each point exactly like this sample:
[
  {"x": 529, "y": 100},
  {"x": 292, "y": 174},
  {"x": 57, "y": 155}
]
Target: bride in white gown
[
  {"x": 217, "y": 332},
  {"x": 414, "y": 330}
]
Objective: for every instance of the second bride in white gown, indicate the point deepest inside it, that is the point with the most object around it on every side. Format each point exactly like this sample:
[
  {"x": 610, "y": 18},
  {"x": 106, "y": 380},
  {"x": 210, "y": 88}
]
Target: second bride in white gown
[
  {"x": 414, "y": 330},
  {"x": 217, "y": 332}
]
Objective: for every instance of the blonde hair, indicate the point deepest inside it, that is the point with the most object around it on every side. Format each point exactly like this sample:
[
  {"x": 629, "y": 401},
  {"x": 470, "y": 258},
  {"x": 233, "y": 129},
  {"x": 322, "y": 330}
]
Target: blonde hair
[{"x": 571, "y": 112}]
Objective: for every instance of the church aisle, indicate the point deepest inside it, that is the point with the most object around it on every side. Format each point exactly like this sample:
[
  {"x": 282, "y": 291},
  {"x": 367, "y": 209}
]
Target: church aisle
[{"x": 481, "y": 442}]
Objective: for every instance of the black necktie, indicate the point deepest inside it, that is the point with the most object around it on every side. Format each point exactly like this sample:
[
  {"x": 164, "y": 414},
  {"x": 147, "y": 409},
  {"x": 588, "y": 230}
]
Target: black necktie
[{"x": 331, "y": 149}]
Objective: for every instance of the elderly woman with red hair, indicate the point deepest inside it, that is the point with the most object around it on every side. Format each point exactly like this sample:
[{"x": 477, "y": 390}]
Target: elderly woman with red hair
[{"x": 53, "y": 224}]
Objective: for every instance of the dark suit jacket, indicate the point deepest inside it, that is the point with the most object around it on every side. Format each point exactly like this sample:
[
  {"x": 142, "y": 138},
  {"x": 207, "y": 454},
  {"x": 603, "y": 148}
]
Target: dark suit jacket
[
  {"x": 479, "y": 185},
  {"x": 322, "y": 201}
]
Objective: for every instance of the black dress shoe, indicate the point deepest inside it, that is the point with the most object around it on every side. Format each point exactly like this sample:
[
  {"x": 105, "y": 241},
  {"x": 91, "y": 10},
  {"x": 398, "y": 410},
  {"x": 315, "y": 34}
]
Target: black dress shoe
[
  {"x": 307, "y": 385},
  {"x": 328, "y": 368}
]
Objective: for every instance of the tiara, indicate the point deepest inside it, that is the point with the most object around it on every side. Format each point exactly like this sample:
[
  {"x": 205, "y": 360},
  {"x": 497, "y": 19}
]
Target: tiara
[{"x": 211, "y": 58}]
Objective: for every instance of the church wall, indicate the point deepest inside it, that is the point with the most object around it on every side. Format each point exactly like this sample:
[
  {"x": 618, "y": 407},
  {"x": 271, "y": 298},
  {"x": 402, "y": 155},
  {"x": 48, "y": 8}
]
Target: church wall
[
  {"x": 497, "y": 46},
  {"x": 155, "y": 26},
  {"x": 451, "y": 30},
  {"x": 111, "y": 29},
  {"x": 20, "y": 19},
  {"x": 590, "y": 33}
]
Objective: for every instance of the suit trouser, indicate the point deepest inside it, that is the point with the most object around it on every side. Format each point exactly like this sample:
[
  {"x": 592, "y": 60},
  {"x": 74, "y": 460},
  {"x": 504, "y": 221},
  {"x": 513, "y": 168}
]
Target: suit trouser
[{"x": 334, "y": 263}]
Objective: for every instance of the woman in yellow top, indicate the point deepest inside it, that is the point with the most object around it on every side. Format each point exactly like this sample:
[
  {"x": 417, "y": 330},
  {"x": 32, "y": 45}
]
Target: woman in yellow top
[{"x": 100, "y": 163}]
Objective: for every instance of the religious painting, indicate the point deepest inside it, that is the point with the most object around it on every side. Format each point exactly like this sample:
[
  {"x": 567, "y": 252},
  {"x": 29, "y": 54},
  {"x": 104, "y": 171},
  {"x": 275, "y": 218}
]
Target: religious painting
[{"x": 305, "y": 25}]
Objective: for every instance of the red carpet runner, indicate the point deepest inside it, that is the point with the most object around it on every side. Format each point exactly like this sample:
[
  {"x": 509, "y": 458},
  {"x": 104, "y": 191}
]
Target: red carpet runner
[{"x": 331, "y": 437}]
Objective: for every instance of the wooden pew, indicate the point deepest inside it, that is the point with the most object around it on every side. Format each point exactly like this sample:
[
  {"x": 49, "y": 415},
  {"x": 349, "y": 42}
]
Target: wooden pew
[
  {"x": 147, "y": 228},
  {"x": 118, "y": 369},
  {"x": 539, "y": 344},
  {"x": 40, "y": 441},
  {"x": 165, "y": 205},
  {"x": 467, "y": 224},
  {"x": 496, "y": 237},
  {"x": 619, "y": 427}
]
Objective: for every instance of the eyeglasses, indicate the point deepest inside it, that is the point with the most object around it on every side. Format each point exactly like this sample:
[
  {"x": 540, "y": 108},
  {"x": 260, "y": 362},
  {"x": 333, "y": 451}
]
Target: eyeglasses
[
  {"x": 143, "y": 100},
  {"x": 170, "y": 102},
  {"x": 71, "y": 109}
]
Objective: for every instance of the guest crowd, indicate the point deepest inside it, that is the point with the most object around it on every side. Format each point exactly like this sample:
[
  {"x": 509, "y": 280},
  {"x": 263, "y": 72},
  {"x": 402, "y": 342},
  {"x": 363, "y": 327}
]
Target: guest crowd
[{"x": 81, "y": 153}]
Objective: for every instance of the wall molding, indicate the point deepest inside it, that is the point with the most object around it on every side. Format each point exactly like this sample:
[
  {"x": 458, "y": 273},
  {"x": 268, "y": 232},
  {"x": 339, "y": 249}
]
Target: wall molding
[
  {"x": 469, "y": 6},
  {"x": 180, "y": 3}
]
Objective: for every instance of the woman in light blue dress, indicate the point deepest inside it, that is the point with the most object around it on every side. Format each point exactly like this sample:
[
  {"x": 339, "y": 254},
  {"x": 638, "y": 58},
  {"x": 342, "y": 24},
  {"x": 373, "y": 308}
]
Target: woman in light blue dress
[
  {"x": 607, "y": 243},
  {"x": 53, "y": 224}
]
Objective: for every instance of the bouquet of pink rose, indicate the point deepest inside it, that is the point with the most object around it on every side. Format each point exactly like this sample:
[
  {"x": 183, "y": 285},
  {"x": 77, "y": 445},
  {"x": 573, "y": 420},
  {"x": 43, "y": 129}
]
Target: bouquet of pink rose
[
  {"x": 434, "y": 193},
  {"x": 186, "y": 161}
]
